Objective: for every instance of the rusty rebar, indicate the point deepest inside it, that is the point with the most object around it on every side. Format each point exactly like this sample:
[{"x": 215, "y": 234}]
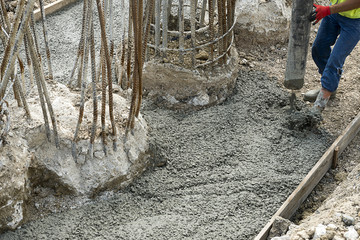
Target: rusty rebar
[
  {"x": 211, "y": 26},
  {"x": 220, "y": 27},
  {"x": 29, "y": 63},
  {"x": 181, "y": 31},
  {"x": 35, "y": 35},
  {"x": 137, "y": 56},
  {"x": 22, "y": 96},
  {"x": 123, "y": 47},
  {"x": 84, "y": 79},
  {"x": 34, "y": 57},
  {"x": 157, "y": 25},
  {"x": 15, "y": 46},
  {"x": 165, "y": 27},
  {"x": 47, "y": 49},
  {"x": 111, "y": 29},
  {"x": 193, "y": 29},
  {"x": 81, "y": 43},
  {"x": 129, "y": 49},
  {"x": 108, "y": 65},
  {"x": 224, "y": 23},
  {"x": 15, "y": 87},
  {"x": 12, "y": 36},
  {"x": 6, "y": 17},
  {"x": 143, "y": 41},
  {"x": 43, "y": 89},
  {"x": 22, "y": 72},
  {"x": 228, "y": 20},
  {"x": 94, "y": 93}
]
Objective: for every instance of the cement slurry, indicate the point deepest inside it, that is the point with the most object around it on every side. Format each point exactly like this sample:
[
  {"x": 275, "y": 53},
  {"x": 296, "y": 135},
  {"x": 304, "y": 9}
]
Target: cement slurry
[{"x": 228, "y": 168}]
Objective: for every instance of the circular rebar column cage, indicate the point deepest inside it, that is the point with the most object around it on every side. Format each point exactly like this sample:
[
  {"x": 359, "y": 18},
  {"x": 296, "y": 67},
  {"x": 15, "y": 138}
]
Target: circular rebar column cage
[{"x": 192, "y": 33}]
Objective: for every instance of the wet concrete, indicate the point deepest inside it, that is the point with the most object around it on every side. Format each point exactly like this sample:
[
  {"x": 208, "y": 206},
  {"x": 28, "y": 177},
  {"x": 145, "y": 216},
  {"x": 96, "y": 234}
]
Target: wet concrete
[
  {"x": 225, "y": 169},
  {"x": 228, "y": 169}
]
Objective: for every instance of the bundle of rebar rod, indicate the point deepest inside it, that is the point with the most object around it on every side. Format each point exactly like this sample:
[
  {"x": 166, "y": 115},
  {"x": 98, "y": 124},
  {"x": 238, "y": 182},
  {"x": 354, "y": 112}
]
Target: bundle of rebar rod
[
  {"x": 16, "y": 34},
  {"x": 134, "y": 49}
]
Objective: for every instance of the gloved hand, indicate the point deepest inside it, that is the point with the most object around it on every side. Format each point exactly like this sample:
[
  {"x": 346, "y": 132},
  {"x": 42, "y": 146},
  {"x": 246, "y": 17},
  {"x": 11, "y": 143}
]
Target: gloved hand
[{"x": 319, "y": 13}]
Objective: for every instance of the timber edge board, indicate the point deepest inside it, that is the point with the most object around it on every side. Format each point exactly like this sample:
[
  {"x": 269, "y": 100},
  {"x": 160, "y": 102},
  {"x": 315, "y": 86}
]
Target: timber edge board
[{"x": 53, "y": 7}]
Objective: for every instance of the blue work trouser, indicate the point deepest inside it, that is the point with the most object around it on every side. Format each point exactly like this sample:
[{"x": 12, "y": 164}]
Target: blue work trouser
[{"x": 330, "y": 62}]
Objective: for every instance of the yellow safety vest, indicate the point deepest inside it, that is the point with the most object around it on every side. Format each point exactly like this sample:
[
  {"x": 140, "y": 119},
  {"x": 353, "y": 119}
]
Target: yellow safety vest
[{"x": 355, "y": 13}]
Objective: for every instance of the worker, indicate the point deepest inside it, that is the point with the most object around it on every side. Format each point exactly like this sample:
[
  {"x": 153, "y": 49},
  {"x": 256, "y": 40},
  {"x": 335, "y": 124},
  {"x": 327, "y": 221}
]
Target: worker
[{"x": 340, "y": 25}]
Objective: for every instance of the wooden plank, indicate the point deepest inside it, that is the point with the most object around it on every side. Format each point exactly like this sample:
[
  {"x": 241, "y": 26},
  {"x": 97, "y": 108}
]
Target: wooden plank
[
  {"x": 294, "y": 201},
  {"x": 53, "y": 7}
]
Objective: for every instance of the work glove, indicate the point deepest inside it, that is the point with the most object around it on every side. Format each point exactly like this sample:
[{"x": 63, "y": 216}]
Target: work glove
[{"x": 319, "y": 13}]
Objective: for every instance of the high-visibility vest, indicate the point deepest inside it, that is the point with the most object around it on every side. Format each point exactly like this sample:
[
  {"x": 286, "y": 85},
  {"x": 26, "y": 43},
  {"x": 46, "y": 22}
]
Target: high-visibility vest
[{"x": 355, "y": 13}]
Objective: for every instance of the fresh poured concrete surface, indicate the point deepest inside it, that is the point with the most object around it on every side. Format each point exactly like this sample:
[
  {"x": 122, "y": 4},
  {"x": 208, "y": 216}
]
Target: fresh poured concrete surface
[{"x": 229, "y": 167}]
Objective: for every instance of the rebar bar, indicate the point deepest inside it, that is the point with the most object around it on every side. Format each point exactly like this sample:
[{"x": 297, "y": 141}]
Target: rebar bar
[
  {"x": 41, "y": 78},
  {"x": 84, "y": 79},
  {"x": 203, "y": 10},
  {"x": 129, "y": 49},
  {"x": 12, "y": 36},
  {"x": 123, "y": 47},
  {"x": 211, "y": 26},
  {"x": 29, "y": 63},
  {"x": 164, "y": 27},
  {"x": 94, "y": 93},
  {"x": 108, "y": 66},
  {"x": 220, "y": 27},
  {"x": 181, "y": 31},
  {"x": 223, "y": 29},
  {"x": 157, "y": 25},
  {"x": 35, "y": 35},
  {"x": 216, "y": 40},
  {"x": 137, "y": 24},
  {"x": 3, "y": 35},
  {"x": 22, "y": 96},
  {"x": 134, "y": 19},
  {"x": 103, "y": 101},
  {"x": 143, "y": 44},
  {"x": 81, "y": 43},
  {"x": 193, "y": 29},
  {"x": 6, "y": 17},
  {"x": 219, "y": 57},
  {"x": 47, "y": 49},
  {"x": 34, "y": 57},
  {"x": 111, "y": 30},
  {"x": 15, "y": 46},
  {"x": 15, "y": 87},
  {"x": 228, "y": 20},
  {"x": 148, "y": 18},
  {"x": 169, "y": 8}
]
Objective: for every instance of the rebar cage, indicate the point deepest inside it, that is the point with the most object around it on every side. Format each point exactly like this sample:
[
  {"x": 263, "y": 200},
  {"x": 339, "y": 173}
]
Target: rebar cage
[{"x": 192, "y": 33}]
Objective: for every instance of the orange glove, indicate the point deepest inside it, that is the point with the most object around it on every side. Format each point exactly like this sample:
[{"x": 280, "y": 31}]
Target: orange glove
[{"x": 319, "y": 13}]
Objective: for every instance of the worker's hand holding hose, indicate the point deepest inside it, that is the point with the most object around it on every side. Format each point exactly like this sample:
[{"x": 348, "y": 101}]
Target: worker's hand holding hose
[{"x": 319, "y": 13}]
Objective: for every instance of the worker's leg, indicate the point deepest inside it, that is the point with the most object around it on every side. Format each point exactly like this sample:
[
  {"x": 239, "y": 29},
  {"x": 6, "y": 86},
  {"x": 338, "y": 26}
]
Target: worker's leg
[
  {"x": 328, "y": 32},
  {"x": 349, "y": 37}
]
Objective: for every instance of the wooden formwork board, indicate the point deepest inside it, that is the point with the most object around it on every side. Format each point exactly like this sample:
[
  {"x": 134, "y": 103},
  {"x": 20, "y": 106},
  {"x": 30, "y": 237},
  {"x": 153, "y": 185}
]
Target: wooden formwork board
[
  {"x": 294, "y": 201},
  {"x": 52, "y": 7}
]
